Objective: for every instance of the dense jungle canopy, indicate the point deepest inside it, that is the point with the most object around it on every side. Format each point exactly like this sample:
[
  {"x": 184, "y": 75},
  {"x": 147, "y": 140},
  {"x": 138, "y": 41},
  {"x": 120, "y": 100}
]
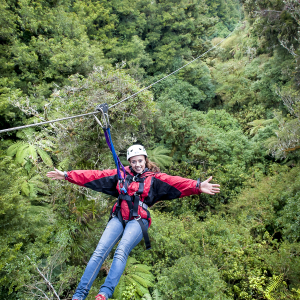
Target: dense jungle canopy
[{"x": 234, "y": 115}]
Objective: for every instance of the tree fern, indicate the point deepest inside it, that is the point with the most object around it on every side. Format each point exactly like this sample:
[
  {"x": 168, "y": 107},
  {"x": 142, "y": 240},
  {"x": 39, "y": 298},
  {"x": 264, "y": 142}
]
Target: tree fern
[
  {"x": 159, "y": 156},
  {"x": 135, "y": 274},
  {"x": 275, "y": 283},
  {"x": 258, "y": 124}
]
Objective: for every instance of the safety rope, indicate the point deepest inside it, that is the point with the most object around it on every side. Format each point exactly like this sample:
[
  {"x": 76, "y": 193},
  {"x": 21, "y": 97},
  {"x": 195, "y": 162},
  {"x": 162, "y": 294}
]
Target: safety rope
[
  {"x": 115, "y": 156},
  {"x": 125, "y": 99},
  {"x": 105, "y": 125}
]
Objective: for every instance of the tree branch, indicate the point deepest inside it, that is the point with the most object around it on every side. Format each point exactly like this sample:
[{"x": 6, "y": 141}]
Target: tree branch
[{"x": 46, "y": 280}]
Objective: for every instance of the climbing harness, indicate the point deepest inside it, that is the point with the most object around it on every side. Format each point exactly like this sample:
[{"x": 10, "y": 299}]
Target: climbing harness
[
  {"x": 133, "y": 203},
  {"x": 124, "y": 181}
]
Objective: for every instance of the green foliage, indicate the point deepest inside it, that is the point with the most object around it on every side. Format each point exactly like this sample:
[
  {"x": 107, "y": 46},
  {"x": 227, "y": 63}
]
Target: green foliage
[
  {"x": 160, "y": 156},
  {"x": 24, "y": 229},
  {"x": 81, "y": 141},
  {"x": 214, "y": 142},
  {"x": 273, "y": 286},
  {"x": 192, "y": 277},
  {"x": 215, "y": 117},
  {"x": 134, "y": 282},
  {"x": 28, "y": 151}
]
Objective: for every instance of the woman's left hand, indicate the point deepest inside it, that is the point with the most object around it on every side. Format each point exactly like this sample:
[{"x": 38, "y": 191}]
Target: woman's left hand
[{"x": 209, "y": 188}]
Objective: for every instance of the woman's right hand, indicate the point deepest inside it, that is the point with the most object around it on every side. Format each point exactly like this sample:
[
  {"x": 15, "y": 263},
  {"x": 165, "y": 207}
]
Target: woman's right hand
[{"x": 56, "y": 174}]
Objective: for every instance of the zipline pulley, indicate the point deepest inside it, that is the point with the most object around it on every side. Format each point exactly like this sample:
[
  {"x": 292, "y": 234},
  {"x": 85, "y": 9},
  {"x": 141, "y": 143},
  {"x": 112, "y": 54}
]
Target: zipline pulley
[{"x": 103, "y": 108}]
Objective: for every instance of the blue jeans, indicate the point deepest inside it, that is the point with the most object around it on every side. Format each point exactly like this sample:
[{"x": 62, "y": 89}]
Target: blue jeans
[{"x": 131, "y": 236}]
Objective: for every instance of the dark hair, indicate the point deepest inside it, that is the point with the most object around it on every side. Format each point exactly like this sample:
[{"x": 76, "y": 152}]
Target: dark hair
[{"x": 151, "y": 166}]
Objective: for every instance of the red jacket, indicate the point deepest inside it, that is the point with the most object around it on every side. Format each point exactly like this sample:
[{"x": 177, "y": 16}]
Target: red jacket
[{"x": 157, "y": 186}]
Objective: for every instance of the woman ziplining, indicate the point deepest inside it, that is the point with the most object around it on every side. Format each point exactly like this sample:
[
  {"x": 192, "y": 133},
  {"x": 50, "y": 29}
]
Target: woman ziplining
[{"x": 137, "y": 187}]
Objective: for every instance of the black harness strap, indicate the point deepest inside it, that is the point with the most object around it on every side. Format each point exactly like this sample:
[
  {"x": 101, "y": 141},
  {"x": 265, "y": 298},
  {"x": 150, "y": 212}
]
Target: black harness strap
[
  {"x": 136, "y": 203},
  {"x": 136, "y": 199},
  {"x": 145, "y": 234}
]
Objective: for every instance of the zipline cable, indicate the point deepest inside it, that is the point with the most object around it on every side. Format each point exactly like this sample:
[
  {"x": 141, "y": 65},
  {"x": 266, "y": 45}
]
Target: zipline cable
[
  {"x": 129, "y": 97},
  {"x": 47, "y": 122}
]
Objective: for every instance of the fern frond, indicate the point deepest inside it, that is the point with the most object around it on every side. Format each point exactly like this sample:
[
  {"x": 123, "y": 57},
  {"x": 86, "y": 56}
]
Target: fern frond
[
  {"x": 141, "y": 290},
  {"x": 12, "y": 150},
  {"x": 147, "y": 276},
  {"x": 32, "y": 152},
  {"x": 144, "y": 282},
  {"x": 25, "y": 188},
  {"x": 39, "y": 185},
  {"x": 159, "y": 155},
  {"x": 142, "y": 268},
  {"x": 147, "y": 297},
  {"x": 156, "y": 295},
  {"x": 63, "y": 165},
  {"x": 120, "y": 288},
  {"x": 22, "y": 153},
  {"x": 275, "y": 283},
  {"x": 271, "y": 142},
  {"x": 45, "y": 157},
  {"x": 23, "y": 134},
  {"x": 258, "y": 124},
  {"x": 32, "y": 189},
  {"x": 130, "y": 261}
]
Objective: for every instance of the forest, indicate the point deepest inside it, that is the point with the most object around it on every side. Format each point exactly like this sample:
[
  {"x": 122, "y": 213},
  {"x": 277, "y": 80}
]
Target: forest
[{"x": 233, "y": 114}]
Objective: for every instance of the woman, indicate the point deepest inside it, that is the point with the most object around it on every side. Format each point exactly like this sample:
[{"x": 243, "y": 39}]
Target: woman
[{"x": 144, "y": 185}]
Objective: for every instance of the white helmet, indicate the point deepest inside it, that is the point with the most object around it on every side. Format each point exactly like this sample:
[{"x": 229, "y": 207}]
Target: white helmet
[{"x": 136, "y": 150}]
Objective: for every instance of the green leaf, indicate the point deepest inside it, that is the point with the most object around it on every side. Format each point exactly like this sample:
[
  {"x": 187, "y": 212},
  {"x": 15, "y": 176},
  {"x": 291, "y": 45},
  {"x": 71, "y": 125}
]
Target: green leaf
[
  {"x": 12, "y": 150},
  {"x": 45, "y": 157},
  {"x": 25, "y": 188},
  {"x": 32, "y": 152},
  {"x": 22, "y": 153}
]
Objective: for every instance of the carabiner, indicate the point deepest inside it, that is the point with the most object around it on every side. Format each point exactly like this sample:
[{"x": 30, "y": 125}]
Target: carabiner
[{"x": 103, "y": 108}]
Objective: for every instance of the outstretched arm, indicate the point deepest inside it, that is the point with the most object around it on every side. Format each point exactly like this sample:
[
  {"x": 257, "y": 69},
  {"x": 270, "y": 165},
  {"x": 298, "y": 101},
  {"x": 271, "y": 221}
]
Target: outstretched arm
[
  {"x": 59, "y": 175},
  {"x": 101, "y": 181},
  {"x": 168, "y": 187},
  {"x": 209, "y": 188}
]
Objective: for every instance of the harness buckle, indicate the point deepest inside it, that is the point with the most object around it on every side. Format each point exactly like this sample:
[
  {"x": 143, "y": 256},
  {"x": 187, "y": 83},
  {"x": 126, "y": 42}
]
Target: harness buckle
[
  {"x": 138, "y": 217},
  {"x": 122, "y": 188}
]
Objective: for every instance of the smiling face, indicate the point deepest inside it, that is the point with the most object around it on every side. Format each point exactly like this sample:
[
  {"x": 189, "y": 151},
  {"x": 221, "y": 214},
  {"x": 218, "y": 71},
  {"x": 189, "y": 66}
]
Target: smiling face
[{"x": 138, "y": 163}]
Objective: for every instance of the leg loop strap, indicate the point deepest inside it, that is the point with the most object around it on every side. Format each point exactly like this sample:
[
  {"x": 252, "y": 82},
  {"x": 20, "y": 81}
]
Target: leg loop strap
[{"x": 145, "y": 233}]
